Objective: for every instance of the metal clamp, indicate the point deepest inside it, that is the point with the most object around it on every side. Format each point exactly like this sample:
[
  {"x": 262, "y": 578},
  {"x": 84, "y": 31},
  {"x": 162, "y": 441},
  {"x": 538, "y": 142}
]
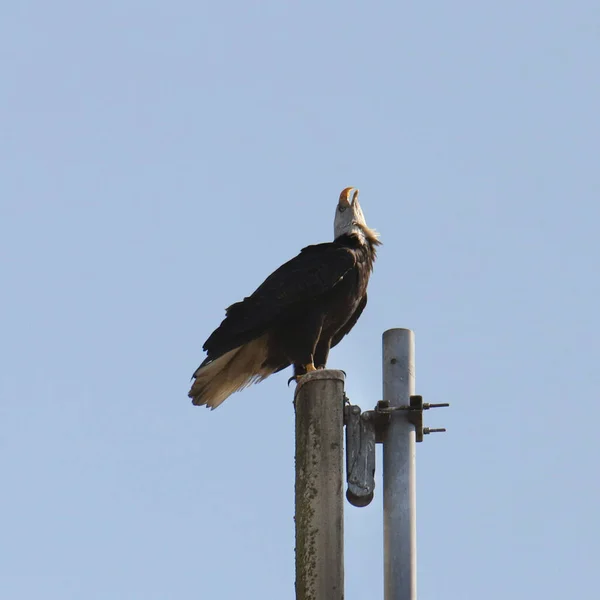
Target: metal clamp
[
  {"x": 415, "y": 416},
  {"x": 364, "y": 431}
]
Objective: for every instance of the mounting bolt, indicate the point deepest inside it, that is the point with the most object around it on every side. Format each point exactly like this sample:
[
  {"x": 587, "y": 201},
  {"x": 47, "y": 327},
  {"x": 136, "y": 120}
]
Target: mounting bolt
[{"x": 428, "y": 430}]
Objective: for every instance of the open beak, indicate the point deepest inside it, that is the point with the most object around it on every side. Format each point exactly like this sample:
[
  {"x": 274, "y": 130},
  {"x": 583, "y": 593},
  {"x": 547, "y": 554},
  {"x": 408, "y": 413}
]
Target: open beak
[{"x": 347, "y": 199}]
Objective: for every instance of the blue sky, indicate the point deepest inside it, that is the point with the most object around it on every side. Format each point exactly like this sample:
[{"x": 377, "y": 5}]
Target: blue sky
[{"x": 159, "y": 160}]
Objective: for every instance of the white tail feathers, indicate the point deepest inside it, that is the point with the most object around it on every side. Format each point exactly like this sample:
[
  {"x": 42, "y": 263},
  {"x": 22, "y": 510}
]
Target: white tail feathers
[{"x": 230, "y": 373}]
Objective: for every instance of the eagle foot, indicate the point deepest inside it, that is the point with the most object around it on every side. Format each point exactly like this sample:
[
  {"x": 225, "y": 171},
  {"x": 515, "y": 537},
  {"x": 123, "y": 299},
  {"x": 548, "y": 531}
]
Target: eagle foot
[{"x": 307, "y": 368}]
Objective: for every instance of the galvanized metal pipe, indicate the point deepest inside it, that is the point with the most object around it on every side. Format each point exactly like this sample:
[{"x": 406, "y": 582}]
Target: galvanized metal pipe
[
  {"x": 319, "y": 403},
  {"x": 399, "y": 476}
]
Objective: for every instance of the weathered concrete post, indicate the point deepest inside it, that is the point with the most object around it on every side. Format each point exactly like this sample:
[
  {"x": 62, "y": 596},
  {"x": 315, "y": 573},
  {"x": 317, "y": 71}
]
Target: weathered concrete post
[{"x": 319, "y": 403}]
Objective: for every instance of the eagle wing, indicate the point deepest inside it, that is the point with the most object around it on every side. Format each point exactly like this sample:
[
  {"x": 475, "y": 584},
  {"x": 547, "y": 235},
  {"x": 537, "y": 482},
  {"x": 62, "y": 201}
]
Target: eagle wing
[
  {"x": 304, "y": 278},
  {"x": 337, "y": 338}
]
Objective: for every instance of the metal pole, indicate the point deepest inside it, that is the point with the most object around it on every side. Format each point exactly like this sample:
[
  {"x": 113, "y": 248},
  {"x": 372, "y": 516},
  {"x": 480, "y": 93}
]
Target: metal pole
[
  {"x": 399, "y": 478},
  {"x": 319, "y": 403}
]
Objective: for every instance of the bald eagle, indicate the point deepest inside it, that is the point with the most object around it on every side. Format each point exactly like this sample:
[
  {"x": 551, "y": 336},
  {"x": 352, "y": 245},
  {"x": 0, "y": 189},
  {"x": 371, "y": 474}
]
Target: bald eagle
[{"x": 296, "y": 315}]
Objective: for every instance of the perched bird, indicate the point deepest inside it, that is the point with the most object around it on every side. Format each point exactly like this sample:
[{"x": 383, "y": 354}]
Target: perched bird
[{"x": 300, "y": 311}]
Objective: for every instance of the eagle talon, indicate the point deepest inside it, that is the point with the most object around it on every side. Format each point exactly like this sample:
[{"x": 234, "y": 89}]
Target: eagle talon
[{"x": 309, "y": 368}]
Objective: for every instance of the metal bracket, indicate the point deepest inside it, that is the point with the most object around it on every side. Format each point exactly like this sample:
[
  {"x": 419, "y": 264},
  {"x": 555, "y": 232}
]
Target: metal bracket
[
  {"x": 363, "y": 431},
  {"x": 360, "y": 456},
  {"x": 415, "y": 414}
]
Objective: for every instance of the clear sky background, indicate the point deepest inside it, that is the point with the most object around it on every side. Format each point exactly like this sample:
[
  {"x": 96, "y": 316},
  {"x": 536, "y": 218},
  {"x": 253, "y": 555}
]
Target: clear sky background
[{"x": 160, "y": 159}]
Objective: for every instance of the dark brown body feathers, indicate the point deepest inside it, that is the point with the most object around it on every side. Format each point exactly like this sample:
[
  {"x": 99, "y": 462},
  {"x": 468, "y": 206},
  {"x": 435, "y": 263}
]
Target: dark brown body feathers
[{"x": 298, "y": 313}]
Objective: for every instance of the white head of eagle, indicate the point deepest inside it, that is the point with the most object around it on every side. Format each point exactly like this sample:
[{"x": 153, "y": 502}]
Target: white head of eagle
[
  {"x": 296, "y": 315},
  {"x": 349, "y": 217}
]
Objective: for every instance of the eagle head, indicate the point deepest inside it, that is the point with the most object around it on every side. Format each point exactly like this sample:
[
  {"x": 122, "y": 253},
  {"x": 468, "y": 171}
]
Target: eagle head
[{"x": 349, "y": 218}]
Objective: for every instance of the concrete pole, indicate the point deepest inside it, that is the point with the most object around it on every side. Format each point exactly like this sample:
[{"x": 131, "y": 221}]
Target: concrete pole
[
  {"x": 399, "y": 477},
  {"x": 319, "y": 403}
]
